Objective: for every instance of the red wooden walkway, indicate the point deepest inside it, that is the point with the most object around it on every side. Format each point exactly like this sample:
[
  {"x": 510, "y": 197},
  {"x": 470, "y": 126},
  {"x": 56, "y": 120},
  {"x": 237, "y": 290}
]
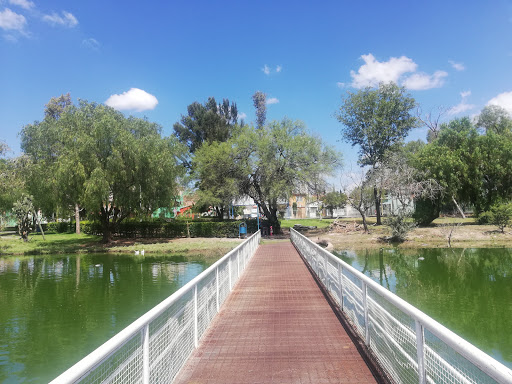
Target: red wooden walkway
[{"x": 276, "y": 327}]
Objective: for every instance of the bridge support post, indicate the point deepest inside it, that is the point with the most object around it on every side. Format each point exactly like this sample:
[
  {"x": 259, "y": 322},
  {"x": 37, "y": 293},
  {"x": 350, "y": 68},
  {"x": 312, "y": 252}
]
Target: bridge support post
[
  {"x": 229, "y": 271},
  {"x": 420, "y": 342},
  {"x": 196, "y": 338},
  {"x": 340, "y": 282},
  {"x": 326, "y": 272},
  {"x": 217, "y": 300},
  {"x": 366, "y": 324},
  {"x": 237, "y": 265},
  {"x": 145, "y": 354}
]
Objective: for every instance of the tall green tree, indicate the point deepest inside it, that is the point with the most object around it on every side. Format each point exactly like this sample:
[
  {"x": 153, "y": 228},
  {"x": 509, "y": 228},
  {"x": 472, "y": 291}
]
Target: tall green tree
[
  {"x": 377, "y": 120},
  {"x": 11, "y": 179},
  {"x": 472, "y": 168},
  {"x": 259, "y": 100},
  {"x": 334, "y": 200},
  {"x": 496, "y": 119},
  {"x": 206, "y": 122},
  {"x": 112, "y": 165},
  {"x": 269, "y": 163}
]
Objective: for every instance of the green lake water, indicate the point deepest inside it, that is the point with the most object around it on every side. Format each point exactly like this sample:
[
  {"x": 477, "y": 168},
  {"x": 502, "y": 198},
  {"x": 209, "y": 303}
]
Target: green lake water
[
  {"x": 54, "y": 310},
  {"x": 467, "y": 290}
]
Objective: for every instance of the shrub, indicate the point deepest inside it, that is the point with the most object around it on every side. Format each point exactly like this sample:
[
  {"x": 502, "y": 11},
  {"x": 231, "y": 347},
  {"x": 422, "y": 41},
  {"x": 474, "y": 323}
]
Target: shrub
[
  {"x": 484, "y": 218},
  {"x": 59, "y": 227},
  {"x": 173, "y": 229},
  {"x": 400, "y": 226},
  {"x": 425, "y": 211},
  {"x": 500, "y": 215}
]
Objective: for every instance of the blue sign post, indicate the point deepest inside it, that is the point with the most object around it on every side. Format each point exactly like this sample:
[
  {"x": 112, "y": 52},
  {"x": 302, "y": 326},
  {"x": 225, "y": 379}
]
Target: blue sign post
[{"x": 242, "y": 230}]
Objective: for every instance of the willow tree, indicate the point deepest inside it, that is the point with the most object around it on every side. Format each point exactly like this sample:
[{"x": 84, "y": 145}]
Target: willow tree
[
  {"x": 267, "y": 164},
  {"x": 112, "y": 165},
  {"x": 377, "y": 120}
]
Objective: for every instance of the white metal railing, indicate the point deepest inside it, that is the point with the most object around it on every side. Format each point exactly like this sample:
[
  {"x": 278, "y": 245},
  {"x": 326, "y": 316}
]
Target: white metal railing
[
  {"x": 154, "y": 347},
  {"x": 409, "y": 345}
]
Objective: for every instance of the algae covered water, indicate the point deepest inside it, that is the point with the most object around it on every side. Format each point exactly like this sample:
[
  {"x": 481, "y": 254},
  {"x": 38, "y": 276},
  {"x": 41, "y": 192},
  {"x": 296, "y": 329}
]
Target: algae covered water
[
  {"x": 467, "y": 290},
  {"x": 54, "y": 310}
]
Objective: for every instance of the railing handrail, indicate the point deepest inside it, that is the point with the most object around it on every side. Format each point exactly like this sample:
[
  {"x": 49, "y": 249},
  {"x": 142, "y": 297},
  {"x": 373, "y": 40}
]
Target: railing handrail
[
  {"x": 94, "y": 358},
  {"x": 483, "y": 361}
]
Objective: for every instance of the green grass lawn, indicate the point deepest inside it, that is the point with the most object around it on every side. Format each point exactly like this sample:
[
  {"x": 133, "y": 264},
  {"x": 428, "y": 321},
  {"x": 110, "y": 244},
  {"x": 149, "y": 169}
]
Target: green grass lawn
[
  {"x": 320, "y": 223},
  {"x": 68, "y": 243},
  {"x": 455, "y": 220},
  {"x": 54, "y": 243}
]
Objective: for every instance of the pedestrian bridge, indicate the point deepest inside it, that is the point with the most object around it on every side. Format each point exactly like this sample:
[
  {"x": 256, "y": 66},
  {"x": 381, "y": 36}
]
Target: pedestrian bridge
[{"x": 285, "y": 312}]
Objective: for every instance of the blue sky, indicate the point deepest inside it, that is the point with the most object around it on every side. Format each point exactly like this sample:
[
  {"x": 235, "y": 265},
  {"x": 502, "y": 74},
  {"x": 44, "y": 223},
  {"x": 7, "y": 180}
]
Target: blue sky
[{"x": 304, "y": 55}]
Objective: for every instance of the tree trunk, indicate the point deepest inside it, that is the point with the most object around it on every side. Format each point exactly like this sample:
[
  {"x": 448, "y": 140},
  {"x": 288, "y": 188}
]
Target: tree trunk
[
  {"x": 77, "y": 219},
  {"x": 271, "y": 215},
  {"x": 105, "y": 225},
  {"x": 376, "y": 195},
  {"x": 39, "y": 224},
  {"x": 365, "y": 225},
  {"x": 458, "y": 207},
  {"x": 274, "y": 221}
]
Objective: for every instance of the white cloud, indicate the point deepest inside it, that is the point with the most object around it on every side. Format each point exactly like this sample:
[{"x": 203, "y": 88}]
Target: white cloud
[
  {"x": 423, "y": 81},
  {"x": 25, "y": 4},
  {"x": 267, "y": 70},
  {"x": 67, "y": 19},
  {"x": 10, "y": 38},
  {"x": 91, "y": 44},
  {"x": 272, "y": 100},
  {"x": 10, "y": 20},
  {"x": 503, "y": 100},
  {"x": 135, "y": 99},
  {"x": 339, "y": 84},
  {"x": 373, "y": 72},
  {"x": 242, "y": 116},
  {"x": 457, "y": 66},
  {"x": 462, "y": 106}
]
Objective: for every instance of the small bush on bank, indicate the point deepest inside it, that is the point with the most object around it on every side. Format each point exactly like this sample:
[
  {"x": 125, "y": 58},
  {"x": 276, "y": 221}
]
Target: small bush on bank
[
  {"x": 400, "y": 226},
  {"x": 499, "y": 215},
  {"x": 425, "y": 212}
]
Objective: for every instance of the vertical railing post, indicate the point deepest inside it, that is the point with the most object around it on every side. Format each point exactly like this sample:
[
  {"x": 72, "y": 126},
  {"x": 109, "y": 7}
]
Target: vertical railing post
[
  {"x": 420, "y": 341},
  {"x": 217, "y": 299},
  {"x": 326, "y": 271},
  {"x": 340, "y": 282},
  {"x": 238, "y": 264},
  {"x": 229, "y": 270},
  {"x": 145, "y": 354},
  {"x": 196, "y": 338},
  {"x": 365, "y": 306}
]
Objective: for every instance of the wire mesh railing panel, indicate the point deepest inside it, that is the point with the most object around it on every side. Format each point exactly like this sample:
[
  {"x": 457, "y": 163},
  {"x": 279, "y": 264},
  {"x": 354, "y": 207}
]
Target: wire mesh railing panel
[
  {"x": 353, "y": 301},
  {"x": 171, "y": 339},
  {"x": 207, "y": 302},
  {"x": 223, "y": 282},
  {"x": 234, "y": 269},
  {"x": 393, "y": 339},
  {"x": 122, "y": 366},
  {"x": 334, "y": 280},
  {"x": 445, "y": 365},
  {"x": 408, "y": 345},
  {"x": 156, "y": 346}
]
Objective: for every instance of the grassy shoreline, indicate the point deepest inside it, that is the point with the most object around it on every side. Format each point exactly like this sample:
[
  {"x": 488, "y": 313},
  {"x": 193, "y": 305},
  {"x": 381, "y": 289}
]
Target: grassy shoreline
[
  {"x": 463, "y": 233},
  {"x": 11, "y": 245},
  {"x": 445, "y": 232}
]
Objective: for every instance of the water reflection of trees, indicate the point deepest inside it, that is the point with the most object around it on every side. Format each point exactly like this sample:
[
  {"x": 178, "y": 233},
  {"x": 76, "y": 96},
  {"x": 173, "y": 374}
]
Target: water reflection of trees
[
  {"x": 56, "y": 310},
  {"x": 467, "y": 290}
]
